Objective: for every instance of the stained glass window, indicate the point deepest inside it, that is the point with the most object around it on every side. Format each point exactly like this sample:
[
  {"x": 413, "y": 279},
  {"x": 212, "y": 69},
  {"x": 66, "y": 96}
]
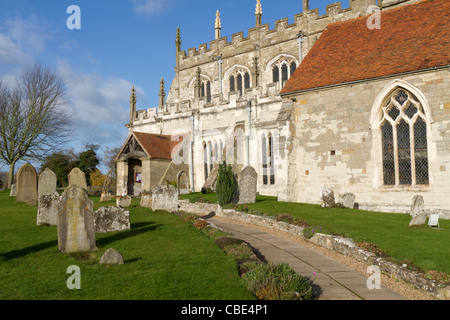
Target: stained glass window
[
  {"x": 247, "y": 80},
  {"x": 232, "y": 84}
]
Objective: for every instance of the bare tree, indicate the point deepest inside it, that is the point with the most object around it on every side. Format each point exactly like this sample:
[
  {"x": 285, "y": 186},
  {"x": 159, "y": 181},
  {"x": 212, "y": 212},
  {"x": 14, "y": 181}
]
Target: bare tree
[{"x": 34, "y": 119}]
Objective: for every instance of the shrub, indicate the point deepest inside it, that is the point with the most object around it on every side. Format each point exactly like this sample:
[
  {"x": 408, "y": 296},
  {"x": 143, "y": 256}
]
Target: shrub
[
  {"x": 226, "y": 185},
  {"x": 200, "y": 223},
  {"x": 222, "y": 242},
  {"x": 284, "y": 217},
  {"x": 239, "y": 251},
  {"x": 277, "y": 282},
  {"x": 301, "y": 223}
]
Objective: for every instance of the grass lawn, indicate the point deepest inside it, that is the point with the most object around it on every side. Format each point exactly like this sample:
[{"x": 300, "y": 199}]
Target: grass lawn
[
  {"x": 426, "y": 248},
  {"x": 165, "y": 259}
]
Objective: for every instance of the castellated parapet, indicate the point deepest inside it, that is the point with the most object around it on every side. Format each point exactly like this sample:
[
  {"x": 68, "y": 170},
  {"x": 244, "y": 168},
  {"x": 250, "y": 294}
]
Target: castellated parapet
[{"x": 255, "y": 54}]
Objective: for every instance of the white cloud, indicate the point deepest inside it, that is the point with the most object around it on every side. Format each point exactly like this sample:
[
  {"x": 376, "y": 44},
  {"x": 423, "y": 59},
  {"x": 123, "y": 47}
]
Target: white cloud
[
  {"x": 151, "y": 7},
  {"x": 100, "y": 106}
]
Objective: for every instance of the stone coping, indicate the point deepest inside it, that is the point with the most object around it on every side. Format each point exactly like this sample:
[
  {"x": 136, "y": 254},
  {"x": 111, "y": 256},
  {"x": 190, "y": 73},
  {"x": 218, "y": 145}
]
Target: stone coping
[{"x": 345, "y": 246}]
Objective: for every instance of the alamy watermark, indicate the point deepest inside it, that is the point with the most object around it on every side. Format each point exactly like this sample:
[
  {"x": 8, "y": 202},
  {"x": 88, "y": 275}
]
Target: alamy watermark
[
  {"x": 74, "y": 281},
  {"x": 374, "y": 280},
  {"x": 374, "y": 21},
  {"x": 74, "y": 21}
]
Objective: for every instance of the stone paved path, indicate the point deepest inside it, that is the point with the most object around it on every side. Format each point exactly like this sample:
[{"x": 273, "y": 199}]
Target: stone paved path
[{"x": 331, "y": 280}]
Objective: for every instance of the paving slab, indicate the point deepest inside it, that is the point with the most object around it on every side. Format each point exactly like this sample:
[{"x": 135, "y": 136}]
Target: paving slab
[{"x": 330, "y": 279}]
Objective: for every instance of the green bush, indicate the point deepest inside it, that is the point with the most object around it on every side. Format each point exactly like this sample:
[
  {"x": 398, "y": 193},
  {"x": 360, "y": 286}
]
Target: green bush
[
  {"x": 284, "y": 217},
  {"x": 277, "y": 282},
  {"x": 226, "y": 185}
]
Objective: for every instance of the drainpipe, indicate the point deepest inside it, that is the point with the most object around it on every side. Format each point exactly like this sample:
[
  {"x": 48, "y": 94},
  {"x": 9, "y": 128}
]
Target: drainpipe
[
  {"x": 300, "y": 42},
  {"x": 191, "y": 164},
  {"x": 249, "y": 128}
]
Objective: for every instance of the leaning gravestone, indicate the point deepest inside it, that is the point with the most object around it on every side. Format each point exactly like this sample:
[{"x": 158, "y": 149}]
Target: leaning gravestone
[
  {"x": 48, "y": 198},
  {"x": 77, "y": 178},
  {"x": 348, "y": 200},
  {"x": 327, "y": 197},
  {"x": 247, "y": 181},
  {"x": 416, "y": 206},
  {"x": 418, "y": 219},
  {"x": 76, "y": 229},
  {"x": 111, "y": 219},
  {"x": 27, "y": 185},
  {"x": 165, "y": 197}
]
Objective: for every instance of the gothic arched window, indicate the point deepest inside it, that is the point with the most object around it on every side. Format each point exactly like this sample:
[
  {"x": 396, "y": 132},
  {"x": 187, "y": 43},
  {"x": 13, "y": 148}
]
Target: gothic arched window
[
  {"x": 239, "y": 81},
  {"x": 404, "y": 140},
  {"x": 283, "y": 69}
]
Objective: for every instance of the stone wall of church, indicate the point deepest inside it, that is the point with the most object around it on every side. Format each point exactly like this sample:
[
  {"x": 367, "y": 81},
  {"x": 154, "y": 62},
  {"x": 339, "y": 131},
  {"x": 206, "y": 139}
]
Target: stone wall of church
[
  {"x": 215, "y": 120},
  {"x": 335, "y": 142}
]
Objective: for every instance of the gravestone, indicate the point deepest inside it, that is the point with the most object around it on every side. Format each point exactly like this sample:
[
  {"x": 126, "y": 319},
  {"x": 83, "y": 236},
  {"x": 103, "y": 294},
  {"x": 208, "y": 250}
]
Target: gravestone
[
  {"x": 111, "y": 219},
  {"x": 123, "y": 202},
  {"x": 183, "y": 183},
  {"x": 416, "y": 206},
  {"x": 48, "y": 198},
  {"x": 418, "y": 219},
  {"x": 111, "y": 256},
  {"x": 165, "y": 197},
  {"x": 76, "y": 229},
  {"x": 327, "y": 197},
  {"x": 77, "y": 178},
  {"x": 13, "y": 191},
  {"x": 27, "y": 184},
  {"x": 348, "y": 200},
  {"x": 105, "y": 197},
  {"x": 146, "y": 199},
  {"x": 211, "y": 181},
  {"x": 247, "y": 181}
]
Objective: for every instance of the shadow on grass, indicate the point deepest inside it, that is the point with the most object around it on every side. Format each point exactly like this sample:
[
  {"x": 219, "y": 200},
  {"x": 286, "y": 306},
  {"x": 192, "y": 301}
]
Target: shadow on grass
[
  {"x": 136, "y": 229},
  {"x": 25, "y": 251}
]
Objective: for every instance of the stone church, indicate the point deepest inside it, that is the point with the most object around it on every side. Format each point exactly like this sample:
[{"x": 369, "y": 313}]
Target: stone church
[{"x": 356, "y": 100}]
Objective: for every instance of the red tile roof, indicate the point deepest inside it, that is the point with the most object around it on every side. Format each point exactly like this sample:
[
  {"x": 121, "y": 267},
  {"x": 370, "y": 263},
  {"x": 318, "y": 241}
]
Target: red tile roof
[
  {"x": 157, "y": 146},
  {"x": 412, "y": 38}
]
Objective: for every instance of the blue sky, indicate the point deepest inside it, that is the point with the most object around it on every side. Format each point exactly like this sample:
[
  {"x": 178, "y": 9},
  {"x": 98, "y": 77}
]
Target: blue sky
[{"x": 121, "y": 43}]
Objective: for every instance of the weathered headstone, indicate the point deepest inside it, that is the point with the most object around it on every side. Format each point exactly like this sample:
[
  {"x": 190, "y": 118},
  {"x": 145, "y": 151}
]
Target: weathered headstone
[
  {"x": 327, "y": 197},
  {"x": 111, "y": 256},
  {"x": 416, "y": 206},
  {"x": 47, "y": 182},
  {"x": 13, "y": 191},
  {"x": 123, "y": 202},
  {"x": 77, "y": 178},
  {"x": 146, "y": 199},
  {"x": 105, "y": 197},
  {"x": 48, "y": 198},
  {"x": 165, "y": 197},
  {"x": 211, "y": 181},
  {"x": 76, "y": 229},
  {"x": 48, "y": 209},
  {"x": 111, "y": 219},
  {"x": 418, "y": 219},
  {"x": 247, "y": 181},
  {"x": 27, "y": 185},
  {"x": 348, "y": 200}
]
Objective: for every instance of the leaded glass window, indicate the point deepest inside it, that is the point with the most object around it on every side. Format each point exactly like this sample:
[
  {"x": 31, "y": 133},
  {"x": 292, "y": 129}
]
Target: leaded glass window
[{"x": 404, "y": 141}]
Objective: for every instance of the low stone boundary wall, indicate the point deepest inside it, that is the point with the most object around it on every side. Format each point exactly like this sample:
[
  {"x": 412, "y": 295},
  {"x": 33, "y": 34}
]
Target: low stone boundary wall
[{"x": 342, "y": 245}]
